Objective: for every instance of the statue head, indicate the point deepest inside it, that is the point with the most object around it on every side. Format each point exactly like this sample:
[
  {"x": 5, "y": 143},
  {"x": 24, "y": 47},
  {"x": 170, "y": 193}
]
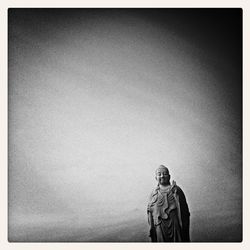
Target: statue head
[{"x": 162, "y": 175}]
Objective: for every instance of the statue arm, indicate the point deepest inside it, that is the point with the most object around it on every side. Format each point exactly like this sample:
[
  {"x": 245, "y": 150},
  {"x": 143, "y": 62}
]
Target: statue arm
[{"x": 152, "y": 231}]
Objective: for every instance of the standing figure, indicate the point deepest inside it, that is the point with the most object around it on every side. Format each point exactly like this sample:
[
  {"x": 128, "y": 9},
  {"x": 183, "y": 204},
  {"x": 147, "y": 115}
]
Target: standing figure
[{"x": 168, "y": 213}]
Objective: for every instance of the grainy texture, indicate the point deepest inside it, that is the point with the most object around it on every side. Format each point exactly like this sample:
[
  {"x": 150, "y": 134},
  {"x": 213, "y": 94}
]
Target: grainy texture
[{"x": 99, "y": 98}]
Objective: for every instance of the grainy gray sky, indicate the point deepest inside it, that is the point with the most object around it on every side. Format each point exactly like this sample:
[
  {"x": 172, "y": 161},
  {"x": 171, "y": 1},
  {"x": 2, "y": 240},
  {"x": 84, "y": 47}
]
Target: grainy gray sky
[{"x": 98, "y": 101}]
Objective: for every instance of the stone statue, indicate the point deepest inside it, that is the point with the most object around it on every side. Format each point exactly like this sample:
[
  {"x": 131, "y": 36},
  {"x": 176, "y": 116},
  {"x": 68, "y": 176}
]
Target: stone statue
[{"x": 168, "y": 213}]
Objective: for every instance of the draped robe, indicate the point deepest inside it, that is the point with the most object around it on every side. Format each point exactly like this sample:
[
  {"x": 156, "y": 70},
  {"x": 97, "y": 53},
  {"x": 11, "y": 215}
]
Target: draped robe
[{"x": 168, "y": 215}]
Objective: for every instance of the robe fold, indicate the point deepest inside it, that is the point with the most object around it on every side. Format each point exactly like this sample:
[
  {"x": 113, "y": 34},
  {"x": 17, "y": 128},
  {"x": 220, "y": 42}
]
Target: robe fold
[{"x": 168, "y": 215}]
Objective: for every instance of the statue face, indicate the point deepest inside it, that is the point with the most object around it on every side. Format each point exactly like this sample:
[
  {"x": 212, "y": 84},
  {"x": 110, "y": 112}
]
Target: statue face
[{"x": 162, "y": 176}]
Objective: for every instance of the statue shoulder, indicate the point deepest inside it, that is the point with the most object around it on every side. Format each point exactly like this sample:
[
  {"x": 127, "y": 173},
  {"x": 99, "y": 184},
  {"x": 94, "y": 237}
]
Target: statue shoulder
[
  {"x": 176, "y": 188},
  {"x": 153, "y": 195},
  {"x": 154, "y": 191},
  {"x": 179, "y": 190}
]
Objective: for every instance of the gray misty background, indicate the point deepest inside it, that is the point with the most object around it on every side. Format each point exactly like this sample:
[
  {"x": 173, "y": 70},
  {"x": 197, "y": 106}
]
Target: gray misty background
[{"x": 98, "y": 98}]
